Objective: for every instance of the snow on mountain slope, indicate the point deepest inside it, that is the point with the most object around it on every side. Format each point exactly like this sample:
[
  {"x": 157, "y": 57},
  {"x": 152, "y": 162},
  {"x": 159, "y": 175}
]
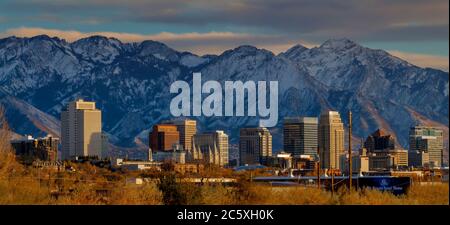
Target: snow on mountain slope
[
  {"x": 97, "y": 49},
  {"x": 130, "y": 83},
  {"x": 26, "y": 119}
]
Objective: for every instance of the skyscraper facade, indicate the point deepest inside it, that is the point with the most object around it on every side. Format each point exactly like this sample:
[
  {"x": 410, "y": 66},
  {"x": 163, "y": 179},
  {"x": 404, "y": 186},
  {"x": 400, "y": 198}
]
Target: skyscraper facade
[
  {"x": 255, "y": 145},
  {"x": 383, "y": 152},
  {"x": 331, "y": 139},
  {"x": 81, "y": 130},
  {"x": 211, "y": 147},
  {"x": 187, "y": 129},
  {"x": 300, "y": 135},
  {"x": 163, "y": 137},
  {"x": 425, "y": 146},
  {"x": 379, "y": 140}
]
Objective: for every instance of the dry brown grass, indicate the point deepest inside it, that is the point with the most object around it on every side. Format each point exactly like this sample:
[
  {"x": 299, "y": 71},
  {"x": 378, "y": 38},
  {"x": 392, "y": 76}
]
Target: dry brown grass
[
  {"x": 436, "y": 194},
  {"x": 217, "y": 195},
  {"x": 16, "y": 191},
  {"x": 146, "y": 194},
  {"x": 290, "y": 196},
  {"x": 417, "y": 195}
]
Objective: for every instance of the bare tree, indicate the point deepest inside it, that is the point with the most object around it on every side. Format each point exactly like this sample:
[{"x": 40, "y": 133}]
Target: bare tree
[{"x": 8, "y": 164}]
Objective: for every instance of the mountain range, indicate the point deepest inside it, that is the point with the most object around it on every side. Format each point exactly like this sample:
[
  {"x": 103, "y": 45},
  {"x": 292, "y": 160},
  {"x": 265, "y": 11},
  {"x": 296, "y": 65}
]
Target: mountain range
[{"x": 130, "y": 83}]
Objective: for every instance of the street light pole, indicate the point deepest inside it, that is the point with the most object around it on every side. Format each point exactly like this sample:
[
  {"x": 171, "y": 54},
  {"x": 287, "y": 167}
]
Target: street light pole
[
  {"x": 332, "y": 181},
  {"x": 350, "y": 172},
  {"x": 318, "y": 168}
]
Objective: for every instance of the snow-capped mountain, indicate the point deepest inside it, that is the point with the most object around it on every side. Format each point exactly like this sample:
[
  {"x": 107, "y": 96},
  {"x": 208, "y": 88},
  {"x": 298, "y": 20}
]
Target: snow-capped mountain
[{"x": 130, "y": 83}]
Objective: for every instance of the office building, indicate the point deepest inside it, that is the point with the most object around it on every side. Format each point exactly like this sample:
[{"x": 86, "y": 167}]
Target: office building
[
  {"x": 255, "y": 145},
  {"x": 331, "y": 139},
  {"x": 383, "y": 152},
  {"x": 163, "y": 137},
  {"x": 360, "y": 162},
  {"x": 425, "y": 146},
  {"x": 29, "y": 149},
  {"x": 300, "y": 135},
  {"x": 187, "y": 129},
  {"x": 394, "y": 159},
  {"x": 105, "y": 146},
  {"x": 211, "y": 147},
  {"x": 379, "y": 140},
  {"x": 81, "y": 130},
  {"x": 418, "y": 159}
]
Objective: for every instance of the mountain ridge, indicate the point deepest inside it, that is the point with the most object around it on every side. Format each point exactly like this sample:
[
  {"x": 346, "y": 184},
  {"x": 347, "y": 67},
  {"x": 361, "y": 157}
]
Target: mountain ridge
[{"x": 130, "y": 81}]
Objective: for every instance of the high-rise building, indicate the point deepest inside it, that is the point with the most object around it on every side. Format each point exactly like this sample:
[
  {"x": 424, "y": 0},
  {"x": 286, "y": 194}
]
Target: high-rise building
[
  {"x": 425, "y": 146},
  {"x": 211, "y": 147},
  {"x": 255, "y": 145},
  {"x": 29, "y": 149},
  {"x": 379, "y": 140},
  {"x": 105, "y": 145},
  {"x": 163, "y": 137},
  {"x": 81, "y": 130},
  {"x": 300, "y": 135},
  {"x": 331, "y": 139},
  {"x": 187, "y": 129},
  {"x": 383, "y": 153}
]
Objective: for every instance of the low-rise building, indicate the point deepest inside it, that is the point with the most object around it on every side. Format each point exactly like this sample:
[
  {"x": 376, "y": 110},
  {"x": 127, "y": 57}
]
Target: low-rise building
[
  {"x": 136, "y": 164},
  {"x": 281, "y": 160},
  {"x": 172, "y": 155},
  {"x": 394, "y": 159},
  {"x": 360, "y": 162},
  {"x": 305, "y": 162},
  {"x": 189, "y": 168},
  {"x": 29, "y": 149}
]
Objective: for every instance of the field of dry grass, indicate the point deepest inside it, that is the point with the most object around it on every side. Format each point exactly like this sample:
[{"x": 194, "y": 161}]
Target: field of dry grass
[
  {"x": 19, "y": 185},
  {"x": 417, "y": 195}
]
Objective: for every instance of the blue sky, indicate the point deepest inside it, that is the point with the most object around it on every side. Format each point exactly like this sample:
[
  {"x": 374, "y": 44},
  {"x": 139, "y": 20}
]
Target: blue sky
[{"x": 415, "y": 30}]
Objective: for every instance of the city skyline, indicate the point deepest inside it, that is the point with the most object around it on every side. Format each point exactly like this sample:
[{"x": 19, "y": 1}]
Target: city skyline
[
  {"x": 378, "y": 151},
  {"x": 183, "y": 105}
]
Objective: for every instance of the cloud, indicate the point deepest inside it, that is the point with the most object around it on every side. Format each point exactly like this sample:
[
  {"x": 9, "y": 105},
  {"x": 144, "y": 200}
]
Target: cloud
[
  {"x": 199, "y": 43},
  {"x": 367, "y": 20},
  {"x": 423, "y": 60}
]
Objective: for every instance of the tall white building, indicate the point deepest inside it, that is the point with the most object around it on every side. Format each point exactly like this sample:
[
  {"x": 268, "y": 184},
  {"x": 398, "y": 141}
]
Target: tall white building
[
  {"x": 187, "y": 129},
  {"x": 211, "y": 147},
  {"x": 331, "y": 140},
  {"x": 81, "y": 130}
]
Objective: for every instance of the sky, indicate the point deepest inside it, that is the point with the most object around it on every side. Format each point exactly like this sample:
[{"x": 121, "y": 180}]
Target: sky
[{"x": 415, "y": 30}]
